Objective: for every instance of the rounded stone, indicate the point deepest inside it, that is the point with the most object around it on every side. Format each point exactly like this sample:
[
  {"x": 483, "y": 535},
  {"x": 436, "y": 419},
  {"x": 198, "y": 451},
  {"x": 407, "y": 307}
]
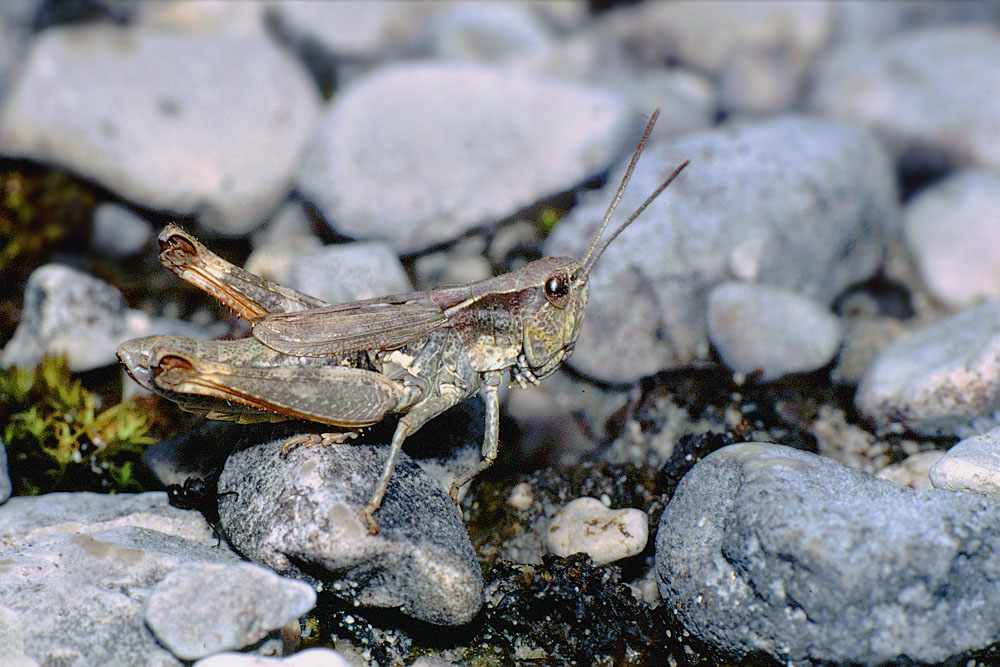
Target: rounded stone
[
  {"x": 775, "y": 331},
  {"x": 952, "y": 229},
  {"x": 971, "y": 465},
  {"x": 587, "y": 525},
  {"x": 418, "y": 154}
]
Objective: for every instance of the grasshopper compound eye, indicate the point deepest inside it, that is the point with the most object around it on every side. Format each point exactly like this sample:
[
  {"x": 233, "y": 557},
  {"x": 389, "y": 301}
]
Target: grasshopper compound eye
[{"x": 557, "y": 289}]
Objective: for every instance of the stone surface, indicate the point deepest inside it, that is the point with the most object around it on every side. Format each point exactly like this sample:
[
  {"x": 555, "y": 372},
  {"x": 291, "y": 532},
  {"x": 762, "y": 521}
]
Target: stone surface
[
  {"x": 204, "y": 608},
  {"x": 301, "y": 516},
  {"x": 489, "y": 32},
  {"x": 971, "y": 465},
  {"x": 913, "y": 471},
  {"x": 277, "y": 245},
  {"x": 71, "y": 313},
  {"x": 81, "y": 560},
  {"x": 759, "y": 327},
  {"x": 314, "y": 657},
  {"x": 349, "y": 272},
  {"x": 952, "y": 230},
  {"x": 217, "y": 131},
  {"x": 401, "y": 156},
  {"x": 896, "y": 87},
  {"x": 816, "y": 199},
  {"x": 587, "y": 525},
  {"x": 351, "y": 27},
  {"x": 941, "y": 380},
  {"x": 760, "y": 51},
  {"x": 119, "y": 232},
  {"x": 766, "y": 548}
]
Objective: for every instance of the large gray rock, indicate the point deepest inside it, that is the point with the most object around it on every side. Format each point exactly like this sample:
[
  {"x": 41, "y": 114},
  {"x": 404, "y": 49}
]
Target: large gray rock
[
  {"x": 206, "y": 123},
  {"x": 301, "y": 516},
  {"x": 760, "y": 327},
  {"x": 81, "y": 560},
  {"x": 952, "y": 230},
  {"x": 419, "y": 154},
  {"x": 798, "y": 203},
  {"x": 204, "y": 608},
  {"x": 767, "y": 548},
  {"x": 943, "y": 380},
  {"x": 922, "y": 92}
]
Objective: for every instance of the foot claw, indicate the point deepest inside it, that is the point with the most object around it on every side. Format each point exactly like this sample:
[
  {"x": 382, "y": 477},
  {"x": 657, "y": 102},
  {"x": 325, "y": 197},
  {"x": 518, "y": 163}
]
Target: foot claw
[
  {"x": 315, "y": 439},
  {"x": 367, "y": 515}
]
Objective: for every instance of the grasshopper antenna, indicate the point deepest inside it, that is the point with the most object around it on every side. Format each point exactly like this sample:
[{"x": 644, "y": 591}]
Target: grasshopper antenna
[{"x": 591, "y": 257}]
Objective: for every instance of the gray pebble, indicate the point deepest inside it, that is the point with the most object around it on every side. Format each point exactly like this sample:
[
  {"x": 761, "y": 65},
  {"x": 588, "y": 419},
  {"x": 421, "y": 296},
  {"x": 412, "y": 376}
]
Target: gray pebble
[
  {"x": 767, "y": 548},
  {"x": 71, "y": 313},
  {"x": 971, "y": 465},
  {"x": 278, "y": 245},
  {"x": 952, "y": 230},
  {"x": 301, "y": 516},
  {"x": 68, "y": 312},
  {"x": 760, "y": 51},
  {"x": 805, "y": 204},
  {"x": 118, "y": 232},
  {"x": 774, "y": 330},
  {"x": 204, "y": 608},
  {"x": 895, "y": 87},
  {"x": 489, "y": 33},
  {"x": 80, "y": 566},
  {"x": 401, "y": 157},
  {"x": 217, "y": 131},
  {"x": 351, "y": 28},
  {"x": 942, "y": 380},
  {"x": 349, "y": 272}
]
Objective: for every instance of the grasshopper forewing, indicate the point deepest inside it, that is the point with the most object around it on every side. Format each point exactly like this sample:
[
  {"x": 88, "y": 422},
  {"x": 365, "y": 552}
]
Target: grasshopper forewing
[{"x": 348, "y": 365}]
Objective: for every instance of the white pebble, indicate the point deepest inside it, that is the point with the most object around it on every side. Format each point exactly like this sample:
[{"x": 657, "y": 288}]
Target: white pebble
[
  {"x": 521, "y": 496},
  {"x": 606, "y": 535},
  {"x": 971, "y": 465}
]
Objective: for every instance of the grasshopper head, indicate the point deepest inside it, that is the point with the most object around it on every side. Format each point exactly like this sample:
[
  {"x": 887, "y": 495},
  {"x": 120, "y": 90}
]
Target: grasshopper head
[
  {"x": 558, "y": 300},
  {"x": 552, "y": 312}
]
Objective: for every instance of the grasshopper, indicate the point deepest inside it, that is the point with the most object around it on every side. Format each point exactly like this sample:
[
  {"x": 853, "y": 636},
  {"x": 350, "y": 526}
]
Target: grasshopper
[{"x": 349, "y": 365}]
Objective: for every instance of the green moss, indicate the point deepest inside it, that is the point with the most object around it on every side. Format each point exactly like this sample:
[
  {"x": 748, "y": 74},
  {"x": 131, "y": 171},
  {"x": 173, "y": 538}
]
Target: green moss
[
  {"x": 547, "y": 219},
  {"x": 57, "y": 438}
]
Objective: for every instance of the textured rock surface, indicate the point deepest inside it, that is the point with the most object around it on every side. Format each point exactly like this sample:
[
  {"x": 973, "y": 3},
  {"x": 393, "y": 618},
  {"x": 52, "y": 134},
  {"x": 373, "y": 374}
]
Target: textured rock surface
[
  {"x": 766, "y": 548},
  {"x": 795, "y": 202},
  {"x": 971, "y": 465},
  {"x": 952, "y": 229},
  {"x": 80, "y": 560},
  {"x": 454, "y": 160},
  {"x": 68, "y": 312},
  {"x": 759, "y": 327},
  {"x": 204, "y": 608},
  {"x": 941, "y": 380},
  {"x": 349, "y": 272},
  {"x": 895, "y": 87},
  {"x": 301, "y": 516},
  {"x": 587, "y": 525},
  {"x": 217, "y": 131}
]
